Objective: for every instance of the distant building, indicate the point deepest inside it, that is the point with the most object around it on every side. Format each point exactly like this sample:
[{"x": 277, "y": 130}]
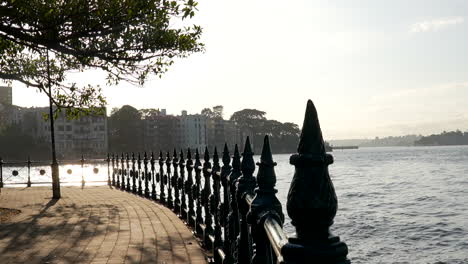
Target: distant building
[
  {"x": 160, "y": 132},
  {"x": 86, "y": 136},
  {"x": 232, "y": 134},
  {"x": 193, "y": 131},
  {"x": 6, "y": 95}
]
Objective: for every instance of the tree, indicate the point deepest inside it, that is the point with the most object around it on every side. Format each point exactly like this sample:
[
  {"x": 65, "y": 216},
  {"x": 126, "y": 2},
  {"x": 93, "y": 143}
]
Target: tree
[
  {"x": 207, "y": 112},
  {"x": 124, "y": 130},
  {"x": 42, "y": 41},
  {"x": 16, "y": 144},
  {"x": 148, "y": 113},
  {"x": 250, "y": 122},
  {"x": 216, "y": 113},
  {"x": 248, "y": 118}
]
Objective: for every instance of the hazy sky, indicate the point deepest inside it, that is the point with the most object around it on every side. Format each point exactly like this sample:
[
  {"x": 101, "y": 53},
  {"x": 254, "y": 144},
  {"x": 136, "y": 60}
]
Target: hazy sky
[{"x": 372, "y": 67}]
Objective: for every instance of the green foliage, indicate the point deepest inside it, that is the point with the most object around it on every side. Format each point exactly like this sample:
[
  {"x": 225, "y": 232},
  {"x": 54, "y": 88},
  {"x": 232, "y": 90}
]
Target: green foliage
[
  {"x": 249, "y": 119},
  {"x": 148, "y": 113},
  {"x": 444, "y": 139},
  {"x": 125, "y": 130},
  {"x": 127, "y": 39},
  {"x": 216, "y": 113},
  {"x": 284, "y": 137}
]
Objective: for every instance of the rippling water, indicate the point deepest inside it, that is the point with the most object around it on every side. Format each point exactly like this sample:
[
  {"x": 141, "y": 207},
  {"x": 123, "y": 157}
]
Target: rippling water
[{"x": 396, "y": 205}]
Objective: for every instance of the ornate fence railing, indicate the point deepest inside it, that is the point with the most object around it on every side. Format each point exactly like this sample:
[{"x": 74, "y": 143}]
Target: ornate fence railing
[
  {"x": 34, "y": 172},
  {"x": 236, "y": 215}
]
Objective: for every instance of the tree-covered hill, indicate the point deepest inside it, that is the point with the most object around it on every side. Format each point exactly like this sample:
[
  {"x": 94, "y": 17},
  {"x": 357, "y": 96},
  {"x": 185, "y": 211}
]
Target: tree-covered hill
[{"x": 445, "y": 138}]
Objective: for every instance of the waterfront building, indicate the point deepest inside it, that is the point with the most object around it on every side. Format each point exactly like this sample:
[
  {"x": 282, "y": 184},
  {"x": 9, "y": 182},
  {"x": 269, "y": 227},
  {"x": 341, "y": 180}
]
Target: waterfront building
[
  {"x": 160, "y": 131},
  {"x": 86, "y": 136},
  {"x": 222, "y": 131},
  {"x": 6, "y": 95},
  {"x": 193, "y": 131}
]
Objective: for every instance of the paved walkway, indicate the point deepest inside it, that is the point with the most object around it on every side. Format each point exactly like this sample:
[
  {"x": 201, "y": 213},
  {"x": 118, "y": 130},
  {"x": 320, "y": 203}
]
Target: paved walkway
[{"x": 92, "y": 225}]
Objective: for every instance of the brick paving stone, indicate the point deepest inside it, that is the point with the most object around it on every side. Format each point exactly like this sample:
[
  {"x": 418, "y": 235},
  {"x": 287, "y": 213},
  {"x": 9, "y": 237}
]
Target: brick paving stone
[{"x": 92, "y": 225}]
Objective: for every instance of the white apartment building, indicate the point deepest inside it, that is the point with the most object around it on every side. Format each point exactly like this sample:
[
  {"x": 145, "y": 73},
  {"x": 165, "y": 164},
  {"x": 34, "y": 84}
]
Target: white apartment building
[
  {"x": 193, "y": 131},
  {"x": 85, "y": 136}
]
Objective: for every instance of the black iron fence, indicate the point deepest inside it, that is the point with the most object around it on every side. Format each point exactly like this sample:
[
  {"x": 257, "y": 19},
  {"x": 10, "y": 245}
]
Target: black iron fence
[{"x": 236, "y": 215}]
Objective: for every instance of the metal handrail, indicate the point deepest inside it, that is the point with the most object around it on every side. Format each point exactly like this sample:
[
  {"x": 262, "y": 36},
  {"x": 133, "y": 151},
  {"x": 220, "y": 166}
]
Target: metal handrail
[{"x": 276, "y": 236}]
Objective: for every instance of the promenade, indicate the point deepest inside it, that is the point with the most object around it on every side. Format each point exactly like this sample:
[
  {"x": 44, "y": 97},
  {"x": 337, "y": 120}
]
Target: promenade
[{"x": 92, "y": 225}]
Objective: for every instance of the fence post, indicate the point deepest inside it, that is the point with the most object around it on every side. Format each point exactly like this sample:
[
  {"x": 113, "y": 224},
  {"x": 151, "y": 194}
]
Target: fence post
[
  {"x": 224, "y": 207},
  {"x": 264, "y": 205},
  {"x": 153, "y": 172},
  {"x": 139, "y": 175},
  {"x": 170, "y": 201},
  {"x": 162, "y": 196},
  {"x": 198, "y": 194},
  {"x": 133, "y": 174},
  {"x": 205, "y": 200},
  {"x": 145, "y": 166},
  {"x": 109, "y": 182},
  {"x": 189, "y": 186},
  {"x": 312, "y": 202},
  {"x": 245, "y": 186},
  {"x": 174, "y": 180},
  {"x": 122, "y": 175},
  {"x": 29, "y": 172},
  {"x": 233, "y": 217},
  {"x": 128, "y": 173},
  {"x": 123, "y": 161},
  {"x": 82, "y": 172},
  {"x": 119, "y": 171},
  {"x": 215, "y": 207},
  {"x": 113, "y": 169},
  {"x": 181, "y": 184},
  {"x": 1, "y": 172}
]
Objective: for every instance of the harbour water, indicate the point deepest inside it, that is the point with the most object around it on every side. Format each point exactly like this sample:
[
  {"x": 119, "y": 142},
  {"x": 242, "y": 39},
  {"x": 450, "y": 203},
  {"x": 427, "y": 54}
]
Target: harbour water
[{"x": 396, "y": 204}]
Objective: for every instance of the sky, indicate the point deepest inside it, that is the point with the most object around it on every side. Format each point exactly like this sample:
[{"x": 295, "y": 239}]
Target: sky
[{"x": 372, "y": 67}]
